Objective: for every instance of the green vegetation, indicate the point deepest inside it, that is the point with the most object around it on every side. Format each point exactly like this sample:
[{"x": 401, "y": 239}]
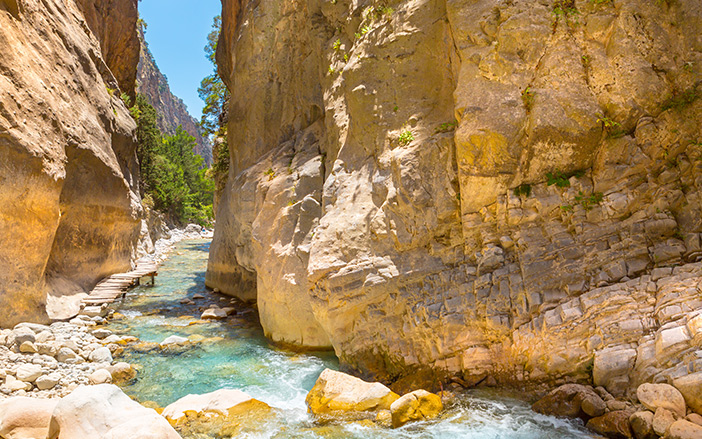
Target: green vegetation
[
  {"x": 173, "y": 177},
  {"x": 601, "y": 2},
  {"x": 446, "y": 127},
  {"x": 406, "y": 137},
  {"x": 270, "y": 173},
  {"x": 612, "y": 127},
  {"x": 561, "y": 179},
  {"x": 337, "y": 45},
  {"x": 588, "y": 202},
  {"x": 215, "y": 114},
  {"x": 564, "y": 9},
  {"x": 523, "y": 190},
  {"x": 680, "y": 100},
  {"x": 528, "y": 98}
]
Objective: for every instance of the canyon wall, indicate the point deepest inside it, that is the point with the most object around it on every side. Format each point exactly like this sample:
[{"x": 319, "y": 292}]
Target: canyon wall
[
  {"x": 68, "y": 169},
  {"x": 172, "y": 111},
  {"x": 480, "y": 190}
]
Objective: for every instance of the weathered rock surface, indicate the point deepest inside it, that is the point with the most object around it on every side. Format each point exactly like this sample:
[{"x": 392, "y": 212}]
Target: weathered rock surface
[
  {"x": 683, "y": 429},
  {"x": 481, "y": 189},
  {"x": 642, "y": 425},
  {"x": 612, "y": 425},
  {"x": 63, "y": 132},
  {"x": 655, "y": 396},
  {"x": 691, "y": 388},
  {"x": 571, "y": 401},
  {"x": 25, "y": 418},
  {"x": 338, "y": 392},
  {"x": 419, "y": 405},
  {"x": 103, "y": 411},
  {"x": 219, "y": 402}
]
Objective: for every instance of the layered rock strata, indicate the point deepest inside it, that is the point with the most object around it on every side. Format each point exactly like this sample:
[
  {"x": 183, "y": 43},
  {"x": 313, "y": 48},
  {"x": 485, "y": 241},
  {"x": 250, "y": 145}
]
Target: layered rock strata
[
  {"x": 474, "y": 189},
  {"x": 68, "y": 168}
]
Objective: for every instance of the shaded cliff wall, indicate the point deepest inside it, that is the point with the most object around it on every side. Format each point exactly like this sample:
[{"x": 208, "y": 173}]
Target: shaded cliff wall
[
  {"x": 68, "y": 168},
  {"x": 172, "y": 111},
  {"x": 441, "y": 186},
  {"x": 113, "y": 22}
]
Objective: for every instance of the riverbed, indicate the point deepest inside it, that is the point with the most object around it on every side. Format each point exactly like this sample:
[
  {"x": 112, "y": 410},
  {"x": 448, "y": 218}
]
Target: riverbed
[{"x": 233, "y": 353}]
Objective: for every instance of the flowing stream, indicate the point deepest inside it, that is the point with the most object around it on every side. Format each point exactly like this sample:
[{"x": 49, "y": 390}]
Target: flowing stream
[{"x": 234, "y": 354}]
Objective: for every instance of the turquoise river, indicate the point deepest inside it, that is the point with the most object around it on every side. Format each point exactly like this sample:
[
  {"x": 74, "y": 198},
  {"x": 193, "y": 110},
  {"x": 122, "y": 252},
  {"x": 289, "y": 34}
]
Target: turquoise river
[{"x": 234, "y": 354}]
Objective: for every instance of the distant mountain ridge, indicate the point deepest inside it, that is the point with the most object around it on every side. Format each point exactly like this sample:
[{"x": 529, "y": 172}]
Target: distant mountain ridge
[{"x": 172, "y": 111}]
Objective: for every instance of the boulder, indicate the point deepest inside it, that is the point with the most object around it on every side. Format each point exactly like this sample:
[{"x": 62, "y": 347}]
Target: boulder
[
  {"x": 28, "y": 347},
  {"x": 25, "y": 418},
  {"x": 653, "y": 396},
  {"x": 642, "y": 425},
  {"x": 571, "y": 401},
  {"x": 662, "y": 419},
  {"x": 13, "y": 384},
  {"x": 419, "y": 405},
  {"x": 690, "y": 386},
  {"x": 219, "y": 402},
  {"x": 613, "y": 425},
  {"x": 28, "y": 372},
  {"x": 100, "y": 376},
  {"x": 122, "y": 372},
  {"x": 214, "y": 314},
  {"x": 694, "y": 418},
  {"x": 67, "y": 355},
  {"x": 104, "y": 411},
  {"x": 22, "y": 333},
  {"x": 101, "y": 333},
  {"x": 174, "y": 340},
  {"x": 101, "y": 355},
  {"x": 682, "y": 429},
  {"x": 46, "y": 382},
  {"x": 337, "y": 391}
]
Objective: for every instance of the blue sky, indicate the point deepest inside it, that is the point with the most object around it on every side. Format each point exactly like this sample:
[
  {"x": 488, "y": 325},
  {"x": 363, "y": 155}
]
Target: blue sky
[{"x": 177, "y": 34}]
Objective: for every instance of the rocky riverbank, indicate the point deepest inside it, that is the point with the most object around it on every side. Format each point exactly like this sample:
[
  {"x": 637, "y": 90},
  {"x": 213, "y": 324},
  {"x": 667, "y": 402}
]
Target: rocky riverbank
[
  {"x": 657, "y": 410},
  {"x": 51, "y": 361}
]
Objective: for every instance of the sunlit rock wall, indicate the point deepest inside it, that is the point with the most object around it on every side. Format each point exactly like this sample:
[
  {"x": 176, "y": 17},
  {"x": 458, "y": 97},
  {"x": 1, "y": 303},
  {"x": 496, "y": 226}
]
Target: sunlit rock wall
[
  {"x": 69, "y": 202},
  {"x": 466, "y": 189}
]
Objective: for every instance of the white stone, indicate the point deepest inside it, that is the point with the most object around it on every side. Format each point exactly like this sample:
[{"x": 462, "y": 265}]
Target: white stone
[
  {"x": 28, "y": 372},
  {"x": 104, "y": 411}
]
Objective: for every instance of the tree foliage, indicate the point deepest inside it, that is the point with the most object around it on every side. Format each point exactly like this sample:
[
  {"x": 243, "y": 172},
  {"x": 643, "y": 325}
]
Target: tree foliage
[
  {"x": 174, "y": 179},
  {"x": 215, "y": 94}
]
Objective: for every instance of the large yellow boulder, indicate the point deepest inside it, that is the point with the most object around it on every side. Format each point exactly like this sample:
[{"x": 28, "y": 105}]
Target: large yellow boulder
[
  {"x": 223, "y": 413},
  {"x": 419, "y": 405},
  {"x": 339, "y": 392}
]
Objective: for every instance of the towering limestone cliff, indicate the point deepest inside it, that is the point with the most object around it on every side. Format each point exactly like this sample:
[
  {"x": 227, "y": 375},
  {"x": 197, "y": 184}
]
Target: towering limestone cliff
[
  {"x": 472, "y": 188},
  {"x": 172, "y": 111},
  {"x": 68, "y": 169}
]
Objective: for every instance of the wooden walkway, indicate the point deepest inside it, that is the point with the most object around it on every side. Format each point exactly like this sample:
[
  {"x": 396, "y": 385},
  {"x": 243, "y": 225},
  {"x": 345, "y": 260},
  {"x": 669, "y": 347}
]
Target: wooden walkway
[{"x": 115, "y": 287}]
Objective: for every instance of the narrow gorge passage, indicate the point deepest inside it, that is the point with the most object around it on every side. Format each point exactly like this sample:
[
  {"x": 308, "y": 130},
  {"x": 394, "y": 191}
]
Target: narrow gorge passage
[
  {"x": 371, "y": 219},
  {"x": 234, "y": 353}
]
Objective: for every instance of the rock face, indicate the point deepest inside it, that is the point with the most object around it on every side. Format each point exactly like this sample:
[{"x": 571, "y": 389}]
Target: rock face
[
  {"x": 64, "y": 132},
  {"x": 478, "y": 188},
  {"x": 172, "y": 111},
  {"x": 114, "y": 23}
]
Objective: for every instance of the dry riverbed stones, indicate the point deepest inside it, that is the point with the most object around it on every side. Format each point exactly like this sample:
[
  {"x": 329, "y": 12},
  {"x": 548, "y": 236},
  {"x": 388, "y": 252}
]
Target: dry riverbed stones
[{"x": 50, "y": 361}]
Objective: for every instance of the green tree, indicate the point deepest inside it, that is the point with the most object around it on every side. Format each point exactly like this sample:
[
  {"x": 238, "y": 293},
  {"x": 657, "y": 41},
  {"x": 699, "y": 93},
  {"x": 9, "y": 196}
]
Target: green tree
[
  {"x": 174, "y": 179},
  {"x": 214, "y": 119}
]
